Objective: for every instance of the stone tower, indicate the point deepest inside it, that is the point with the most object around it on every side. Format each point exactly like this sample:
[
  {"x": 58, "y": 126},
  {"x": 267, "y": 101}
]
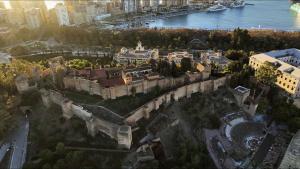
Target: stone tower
[
  {"x": 54, "y": 63},
  {"x": 140, "y": 47},
  {"x": 36, "y": 73},
  {"x": 124, "y": 137},
  {"x": 22, "y": 83}
]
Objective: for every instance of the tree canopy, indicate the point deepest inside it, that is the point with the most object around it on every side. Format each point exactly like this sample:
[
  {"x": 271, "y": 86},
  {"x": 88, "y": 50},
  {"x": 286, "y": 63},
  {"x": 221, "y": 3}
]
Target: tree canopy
[
  {"x": 79, "y": 64},
  {"x": 267, "y": 73},
  {"x": 186, "y": 64}
]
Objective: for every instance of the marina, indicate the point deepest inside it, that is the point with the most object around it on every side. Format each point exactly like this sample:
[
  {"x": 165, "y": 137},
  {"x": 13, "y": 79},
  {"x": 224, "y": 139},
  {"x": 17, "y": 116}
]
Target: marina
[{"x": 262, "y": 15}]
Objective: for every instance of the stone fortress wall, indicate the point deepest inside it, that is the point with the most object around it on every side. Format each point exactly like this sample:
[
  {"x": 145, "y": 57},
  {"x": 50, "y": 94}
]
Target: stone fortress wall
[
  {"x": 114, "y": 92},
  {"x": 184, "y": 91},
  {"x": 94, "y": 124}
]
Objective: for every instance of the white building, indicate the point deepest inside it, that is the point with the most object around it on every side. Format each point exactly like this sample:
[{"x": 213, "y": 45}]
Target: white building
[
  {"x": 129, "y": 6},
  {"x": 33, "y": 18},
  {"x": 288, "y": 62},
  {"x": 210, "y": 57},
  {"x": 154, "y": 3},
  {"x": 62, "y": 14},
  {"x": 178, "y": 56},
  {"x": 139, "y": 55}
]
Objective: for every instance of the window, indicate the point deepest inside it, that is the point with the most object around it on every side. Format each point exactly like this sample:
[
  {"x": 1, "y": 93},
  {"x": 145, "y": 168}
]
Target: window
[
  {"x": 283, "y": 84},
  {"x": 290, "y": 80},
  {"x": 285, "y": 79},
  {"x": 279, "y": 82},
  {"x": 288, "y": 86},
  {"x": 292, "y": 88},
  {"x": 281, "y": 76},
  {"x": 294, "y": 83}
]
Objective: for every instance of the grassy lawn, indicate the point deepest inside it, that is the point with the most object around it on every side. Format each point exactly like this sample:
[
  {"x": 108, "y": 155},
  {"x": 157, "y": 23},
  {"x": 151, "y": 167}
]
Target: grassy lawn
[
  {"x": 82, "y": 97},
  {"x": 203, "y": 110},
  {"x": 125, "y": 104}
]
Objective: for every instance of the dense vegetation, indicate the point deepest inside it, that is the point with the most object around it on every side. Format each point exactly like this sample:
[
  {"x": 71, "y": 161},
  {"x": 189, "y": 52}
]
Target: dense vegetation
[
  {"x": 166, "y": 39},
  {"x": 9, "y": 100}
]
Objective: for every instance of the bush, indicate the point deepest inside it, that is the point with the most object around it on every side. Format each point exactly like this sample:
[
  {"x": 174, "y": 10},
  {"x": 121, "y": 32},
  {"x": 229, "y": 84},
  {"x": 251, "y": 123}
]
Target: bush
[
  {"x": 294, "y": 124},
  {"x": 29, "y": 165},
  {"x": 19, "y": 51},
  {"x": 62, "y": 120}
]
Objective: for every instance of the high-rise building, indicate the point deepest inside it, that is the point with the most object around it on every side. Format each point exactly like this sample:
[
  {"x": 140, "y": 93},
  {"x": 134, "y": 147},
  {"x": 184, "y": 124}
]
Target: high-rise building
[
  {"x": 14, "y": 4},
  {"x": 53, "y": 16},
  {"x": 174, "y": 2},
  {"x": 15, "y": 17},
  {"x": 2, "y": 5},
  {"x": 129, "y": 6},
  {"x": 31, "y": 4},
  {"x": 2, "y": 15},
  {"x": 70, "y": 2},
  {"x": 33, "y": 17},
  {"x": 154, "y": 2},
  {"x": 76, "y": 18},
  {"x": 145, "y": 3},
  {"x": 62, "y": 14},
  {"x": 85, "y": 1}
]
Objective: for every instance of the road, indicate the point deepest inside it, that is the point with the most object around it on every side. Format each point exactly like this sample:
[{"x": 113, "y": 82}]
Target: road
[
  {"x": 18, "y": 140},
  {"x": 3, "y": 151}
]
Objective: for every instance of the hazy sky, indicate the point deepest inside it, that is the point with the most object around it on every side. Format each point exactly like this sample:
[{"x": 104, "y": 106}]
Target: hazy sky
[{"x": 50, "y": 4}]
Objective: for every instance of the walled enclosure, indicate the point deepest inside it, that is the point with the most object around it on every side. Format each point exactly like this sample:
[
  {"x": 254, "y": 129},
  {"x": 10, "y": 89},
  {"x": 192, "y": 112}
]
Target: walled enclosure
[
  {"x": 94, "y": 124},
  {"x": 184, "y": 91},
  {"x": 141, "y": 87}
]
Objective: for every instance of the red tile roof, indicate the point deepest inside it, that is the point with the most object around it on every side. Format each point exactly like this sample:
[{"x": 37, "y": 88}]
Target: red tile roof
[{"x": 112, "y": 82}]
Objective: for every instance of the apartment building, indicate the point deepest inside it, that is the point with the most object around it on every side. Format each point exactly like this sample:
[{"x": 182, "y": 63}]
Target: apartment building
[
  {"x": 62, "y": 14},
  {"x": 15, "y": 17},
  {"x": 33, "y": 18},
  {"x": 288, "y": 62},
  {"x": 129, "y": 6}
]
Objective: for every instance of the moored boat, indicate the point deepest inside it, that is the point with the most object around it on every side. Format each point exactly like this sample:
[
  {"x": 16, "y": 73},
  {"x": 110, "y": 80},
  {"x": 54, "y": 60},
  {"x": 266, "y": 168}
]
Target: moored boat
[
  {"x": 296, "y": 7},
  {"x": 239, "y": 4},
  {"x": 216, "y": 8}
]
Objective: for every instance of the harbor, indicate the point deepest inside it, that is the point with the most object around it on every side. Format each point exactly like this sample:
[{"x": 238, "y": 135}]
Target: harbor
[{"x": 250, "y": 15}]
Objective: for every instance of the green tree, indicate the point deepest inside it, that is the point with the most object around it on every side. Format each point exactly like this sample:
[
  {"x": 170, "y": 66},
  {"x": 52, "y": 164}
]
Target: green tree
[
  {"x": 19, "y": 51},
  {"x": 60, "y": 148},
  {"x": 174, "y": 69},
  {"x": 29, "y": 165},
  {"x": 58, "y": 77},
  {"x": 234, "y": 66},
  {"x": 284, "y": 111},
  {"x": 294, "y": 124},
  {"x": 291, "y": 100},
  {"x": 133, "y": 91},
  {"x": 237, "y": 55},
  {"x": 185, "y": 64},
  {"x": 45, "y": 154},
  {"x": 263, "y": 104},
  {"x": 267, "y": 73},
  {"x": 47, "y": 166}
]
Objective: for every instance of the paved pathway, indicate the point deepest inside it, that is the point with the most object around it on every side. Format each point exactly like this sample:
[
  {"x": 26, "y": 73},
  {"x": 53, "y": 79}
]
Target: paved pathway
[
  {"x": 102, "y": 108},
  {"x": 209, "y": 134},
  {"x": 99, "y": 149},
  {"x": 18, "y": 138},
  {"x": 4, "y": 58}
]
